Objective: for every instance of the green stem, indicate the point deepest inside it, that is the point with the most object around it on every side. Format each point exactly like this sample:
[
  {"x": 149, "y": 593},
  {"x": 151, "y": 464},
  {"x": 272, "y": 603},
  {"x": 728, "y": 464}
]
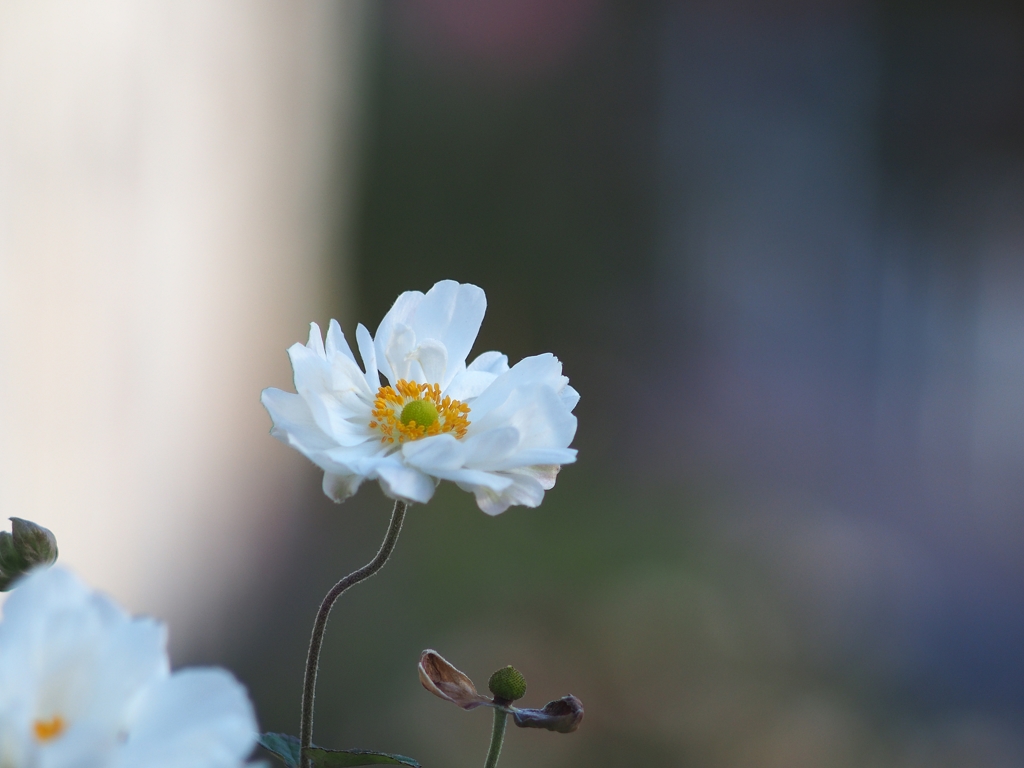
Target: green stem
[
  {"x": 497, "y": 737},
  {"x": 320, "y": 625}
]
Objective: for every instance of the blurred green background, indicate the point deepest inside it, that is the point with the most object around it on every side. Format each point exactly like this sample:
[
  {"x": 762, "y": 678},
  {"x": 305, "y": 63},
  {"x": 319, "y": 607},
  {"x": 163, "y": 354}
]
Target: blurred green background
[{"x": 778, "y": 249}]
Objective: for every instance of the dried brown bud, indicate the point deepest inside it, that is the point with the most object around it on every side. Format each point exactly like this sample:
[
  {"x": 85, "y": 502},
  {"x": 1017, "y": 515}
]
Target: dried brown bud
[
  {"x": 445, "y": 681},
  {"x": 563, "y": 715}
]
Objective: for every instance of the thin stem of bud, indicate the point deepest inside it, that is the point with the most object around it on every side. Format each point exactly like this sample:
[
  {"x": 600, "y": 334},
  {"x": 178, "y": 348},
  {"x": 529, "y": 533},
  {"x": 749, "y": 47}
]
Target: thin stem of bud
[
  {"x": 320, "y": 625},
  {"x": 497, "y": 737}
]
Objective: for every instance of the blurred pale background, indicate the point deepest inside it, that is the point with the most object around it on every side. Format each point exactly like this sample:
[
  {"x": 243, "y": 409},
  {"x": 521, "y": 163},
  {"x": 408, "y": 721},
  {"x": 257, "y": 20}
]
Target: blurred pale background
[
  {"x": 171, "y": 176},
  {"x": 779, "y": 248}
]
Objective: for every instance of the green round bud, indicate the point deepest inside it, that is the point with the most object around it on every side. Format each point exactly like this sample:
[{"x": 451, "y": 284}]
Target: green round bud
[
  {"x": 423, "y": 412},
  {"x": 508, "y": 684}
]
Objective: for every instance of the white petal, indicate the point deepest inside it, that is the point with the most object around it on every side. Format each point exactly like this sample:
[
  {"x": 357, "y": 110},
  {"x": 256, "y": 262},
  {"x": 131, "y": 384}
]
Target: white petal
[
  {"x": 486, "y": 449},
  {"x": 537, "y": 412},
  {"x": 315, "y": 344},
  {"x": 341, "y": 427},
  {"x": 41, "y": 592},
  {"x": 544, "y": 473},
  {"x": 196, "y": 717},
  {"x": 293, "y": 423},
  {"x": 336, "y": 342},
  {"x": 345, "y": 468},
  {"x": 399, "y": 314},
  {"x": 469, "y": 384},
  {"x": 570, "y": 397},
  {"x": 351, "y": 460},
  {"x": 524, "y": 490},
  {"x": 333, "y": 406},
  {"x": 492, "y": 482},
  {"x": 309, "y": 370},
  {"x": 369, "y": 355},
  {"x": 339, "y": 487},
  {"x": 401, "y": 482},
  {"x": 52, "y": 615},
  {"x": 314, "y": 381},
  {"x": 451, "y": 313},
  {"x": 347, "y": 377},
  {"x": 311, "y": 374},
  {"x": 435, "y": 453},
  {"x": 433, "y": 359},
  {"x": 530, "y": 457},
  {"x": 83, "y": 745},
  {"x": 398, "y": 354},
  {"x": 131, "y": 659},
  {"x": 490, "y": 362},
  {"x": 539, "y": 369}
]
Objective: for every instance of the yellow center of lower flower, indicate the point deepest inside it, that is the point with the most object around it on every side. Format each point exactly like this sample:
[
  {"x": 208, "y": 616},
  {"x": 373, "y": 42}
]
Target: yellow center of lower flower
[
  {"x": 49, "y": 729},
  {"x": 410, "y": 411}
]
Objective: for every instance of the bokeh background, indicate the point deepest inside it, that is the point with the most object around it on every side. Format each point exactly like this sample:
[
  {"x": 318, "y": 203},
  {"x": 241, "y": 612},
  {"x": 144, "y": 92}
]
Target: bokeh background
[{"x": 779, "y": 248}]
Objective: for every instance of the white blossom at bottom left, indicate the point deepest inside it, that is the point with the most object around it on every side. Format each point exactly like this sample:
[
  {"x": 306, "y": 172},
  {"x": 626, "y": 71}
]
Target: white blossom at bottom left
[{"x": 85, "y": 685}]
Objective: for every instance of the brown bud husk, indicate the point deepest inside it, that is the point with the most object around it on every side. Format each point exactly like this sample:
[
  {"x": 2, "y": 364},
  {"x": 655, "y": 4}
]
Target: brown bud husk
[
  {"x": 562, "y": 716},
  {"x": 27, "y": 546},
  {"x": 446, "y": 682}
]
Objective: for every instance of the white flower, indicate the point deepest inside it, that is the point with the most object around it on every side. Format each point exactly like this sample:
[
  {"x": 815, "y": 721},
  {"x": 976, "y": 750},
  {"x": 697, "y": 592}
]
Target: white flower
[
  {"x": 84, "y": 685},
  {"x": 499, "y": 432}
]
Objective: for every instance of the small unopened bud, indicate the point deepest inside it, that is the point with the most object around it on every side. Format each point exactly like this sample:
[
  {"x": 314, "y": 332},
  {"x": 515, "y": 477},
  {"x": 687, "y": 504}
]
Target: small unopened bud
[
  {"x": 507, "y": 684},
  {"x": 21, "y": 550}
]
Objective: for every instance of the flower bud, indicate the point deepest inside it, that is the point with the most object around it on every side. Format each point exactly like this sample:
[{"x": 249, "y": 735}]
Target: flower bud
[
  {"x": 27, "y": 546},
  {"x": 507, "y": 685},
  {"x": 563, "y": 715}
]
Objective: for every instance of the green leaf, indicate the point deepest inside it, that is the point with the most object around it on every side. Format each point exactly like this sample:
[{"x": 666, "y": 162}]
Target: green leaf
[
  {"x": 287, "y": 748},
  {"x": 346, "y": 758},
  {"x": 284, "y": 746}
]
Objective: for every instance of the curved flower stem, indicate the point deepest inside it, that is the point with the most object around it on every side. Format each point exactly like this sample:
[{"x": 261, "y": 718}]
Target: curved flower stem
[
  {"x": 497, "y": 737},
  {"x": 320, "y": 625}
]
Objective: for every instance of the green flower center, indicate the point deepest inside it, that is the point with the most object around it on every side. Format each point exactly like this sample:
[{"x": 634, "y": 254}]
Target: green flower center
[
  {"x": 507, "y": 684},
  {"x": 423, "y": 412}
]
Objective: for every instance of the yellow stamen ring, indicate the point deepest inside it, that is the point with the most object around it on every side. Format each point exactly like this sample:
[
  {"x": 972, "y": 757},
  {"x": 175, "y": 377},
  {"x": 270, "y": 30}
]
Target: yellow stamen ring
[
  {"x": 49, "y": 729},
  {"x": 411, "y": 411}
]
